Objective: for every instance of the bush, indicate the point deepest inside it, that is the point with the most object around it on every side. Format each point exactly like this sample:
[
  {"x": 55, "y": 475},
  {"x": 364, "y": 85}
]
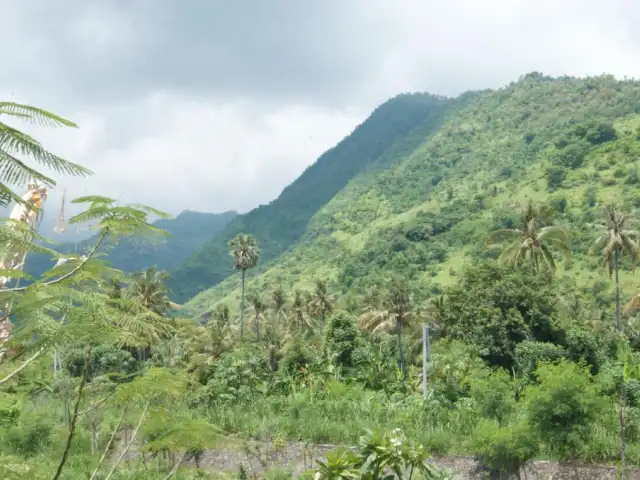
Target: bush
[
  {"x": 493, "y": 394},
  {"x": 555, "y": 177},
  {"x": 563, "y": 407},
  {"x": 341, "y": 338},
  {"x": 505, "y": 450},
  {"x": 238, "y": 375}
]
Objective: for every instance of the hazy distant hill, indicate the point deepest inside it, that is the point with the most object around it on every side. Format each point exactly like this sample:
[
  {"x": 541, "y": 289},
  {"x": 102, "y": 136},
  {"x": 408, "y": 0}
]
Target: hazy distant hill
[{"x": 189, "y": 230}]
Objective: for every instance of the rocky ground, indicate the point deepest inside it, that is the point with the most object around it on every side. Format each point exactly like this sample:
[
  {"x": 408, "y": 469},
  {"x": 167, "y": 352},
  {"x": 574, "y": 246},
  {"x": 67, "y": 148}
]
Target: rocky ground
[{"x": 257, "y": 458}]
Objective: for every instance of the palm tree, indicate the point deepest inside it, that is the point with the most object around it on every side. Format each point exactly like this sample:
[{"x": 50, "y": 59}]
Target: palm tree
[
  {"x": 397, "y": 312},
  {"x": 148, "y": 290},
  {"x": 259, "y": 308},
  {"x": 245, "y": 253},
  {"x": 322, "y": 301},
  {"x": 532, "y": 241},
  {"x": 616, "y": 241},
  {"x": 279, "y": 303},
  {"x": 222, "y": 317},
  {"x": 300, "y": 317}
]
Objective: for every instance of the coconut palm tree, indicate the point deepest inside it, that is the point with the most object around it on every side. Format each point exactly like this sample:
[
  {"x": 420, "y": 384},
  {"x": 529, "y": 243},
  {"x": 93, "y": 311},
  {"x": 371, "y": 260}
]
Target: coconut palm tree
[
  {"x": 259, "y": 308},
  {"x": 246, "y": 253},
  {"x": 322, "y": 300},
  {"x": 299, "y": 315},
  {"x": 398, "y": 311},
  {"x": 614, "y": 242},
  {"x": 148, "y": 290},
  {"x": 279, "y": 304},
  {"x": 532, "y": 241}
]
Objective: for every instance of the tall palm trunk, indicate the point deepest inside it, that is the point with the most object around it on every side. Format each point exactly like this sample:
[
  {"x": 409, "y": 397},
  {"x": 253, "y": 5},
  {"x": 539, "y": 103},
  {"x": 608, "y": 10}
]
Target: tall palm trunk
[
  {"x": 401, "y": 352},
  {"x": 616, "y": 266},
  {"x": 257, "y": 328},
  {"x": 616, "y": 263},
  {"x": 242, "y": 307}
]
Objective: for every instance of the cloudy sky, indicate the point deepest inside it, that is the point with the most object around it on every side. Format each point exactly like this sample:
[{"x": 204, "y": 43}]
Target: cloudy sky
[{"x": 214, "y": 105}]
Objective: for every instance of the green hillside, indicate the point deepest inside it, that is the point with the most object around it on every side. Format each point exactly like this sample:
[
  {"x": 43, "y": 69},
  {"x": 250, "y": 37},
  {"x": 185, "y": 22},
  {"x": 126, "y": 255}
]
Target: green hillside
[
  {"x": 392, "y": 131},
  {"x": 568, "y": 143},
  {"x": 187, "y": 232}
]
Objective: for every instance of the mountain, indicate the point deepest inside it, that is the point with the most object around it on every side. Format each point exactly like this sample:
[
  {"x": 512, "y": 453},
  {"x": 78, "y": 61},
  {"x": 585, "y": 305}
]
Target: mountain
[
  {"x": 567, "y": 143},
  {"x": 188, "y": 231},
  {"x": 392, "y": 131}
]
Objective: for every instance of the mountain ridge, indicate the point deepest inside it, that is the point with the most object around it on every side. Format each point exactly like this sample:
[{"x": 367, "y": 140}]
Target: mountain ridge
[
  {"x": 281, "y": 223},
  {"x": 427, "y": 215}
]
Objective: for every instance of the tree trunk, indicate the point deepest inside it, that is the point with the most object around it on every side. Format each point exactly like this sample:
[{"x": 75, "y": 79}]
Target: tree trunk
[
  {"x": 622, "y": 427},
  {"x": 401, "y": 353},
  {"x": 257, "y": 328},
  {"x": 616, "y": 266},
  {"x": 126, "y": 448},
  {"x": 111, "y": 438},
  {"x": 242, "y": 308},
  {"x": 74, "y": 418}
]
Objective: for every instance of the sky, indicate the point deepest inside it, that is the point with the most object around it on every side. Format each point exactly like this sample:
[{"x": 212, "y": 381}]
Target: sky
[{"x": 216, "y": 105}]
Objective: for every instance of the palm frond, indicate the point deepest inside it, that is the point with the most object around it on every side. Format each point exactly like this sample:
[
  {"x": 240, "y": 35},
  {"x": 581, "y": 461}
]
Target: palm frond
[
  {"x": 15, "y": 142},
  {"x": 34, "y": 115},
  {"x": 546, "y": 255},
  {"x": 501, "y": 235},
  {"x": 554, "y": 232},
  {"x": 632, "y": 305},
  {"x": 512, "y": 253},
  {"x": 562, "y": 247}
]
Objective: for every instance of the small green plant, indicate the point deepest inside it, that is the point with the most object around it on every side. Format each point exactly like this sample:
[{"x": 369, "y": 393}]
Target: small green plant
[{"x": 378, "y": 455}]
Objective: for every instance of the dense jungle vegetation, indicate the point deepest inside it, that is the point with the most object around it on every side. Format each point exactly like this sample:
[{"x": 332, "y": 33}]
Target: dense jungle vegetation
[
  {"x": 394, "y": 129},
  {"x": 507, "y": 223}
]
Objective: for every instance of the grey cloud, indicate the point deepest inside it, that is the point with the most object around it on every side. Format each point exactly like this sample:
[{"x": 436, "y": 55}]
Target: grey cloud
[
  {"x": 192, "y": 103},
  {"x": 103, "y": 50}
]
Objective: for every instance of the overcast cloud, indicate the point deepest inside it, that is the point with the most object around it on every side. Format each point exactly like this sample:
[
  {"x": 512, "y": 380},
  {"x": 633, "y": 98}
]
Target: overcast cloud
[{"x": 214, "y": 105}]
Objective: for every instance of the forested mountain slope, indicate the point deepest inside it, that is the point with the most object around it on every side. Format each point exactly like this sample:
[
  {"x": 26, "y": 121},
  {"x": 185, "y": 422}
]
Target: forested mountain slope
[
  {"x": 188, "y": 231},
  {"x": 392, "y": 131},
  {"x": 567, "y": 143}
]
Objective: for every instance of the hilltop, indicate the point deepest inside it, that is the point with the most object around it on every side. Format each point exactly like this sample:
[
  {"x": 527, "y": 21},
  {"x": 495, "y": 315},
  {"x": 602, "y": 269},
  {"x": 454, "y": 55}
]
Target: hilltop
[
  {"x": 187, "y": 232},
  {"x": 567, "y": 143},
  {"x": 391, "y": 132}
]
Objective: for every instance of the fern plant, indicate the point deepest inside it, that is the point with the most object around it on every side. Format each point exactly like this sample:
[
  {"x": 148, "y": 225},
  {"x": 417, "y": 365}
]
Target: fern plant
[{"x": 15, "y": 144}]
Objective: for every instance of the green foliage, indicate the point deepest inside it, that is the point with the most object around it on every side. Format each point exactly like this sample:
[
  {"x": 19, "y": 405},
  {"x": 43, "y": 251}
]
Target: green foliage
[
  {"x": 562, "y": 408},
  {"x": 497, "y": 307},
  {"x": 530, "y": 354},
  {"x": 237, "y": 375},
  {"x": 493, "y": 393},
  {"x": 523, "y": 361},
  {"x": 297, "y": 355},
  {"x": 16, "y": 144},
  {"x": 505, "y": 450},
  {"x": 341, "y": 339},
  {"x": 388, "y": 455},
  {"x": 397, "y": 221},
  {"x": 392, "y": 131}
]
